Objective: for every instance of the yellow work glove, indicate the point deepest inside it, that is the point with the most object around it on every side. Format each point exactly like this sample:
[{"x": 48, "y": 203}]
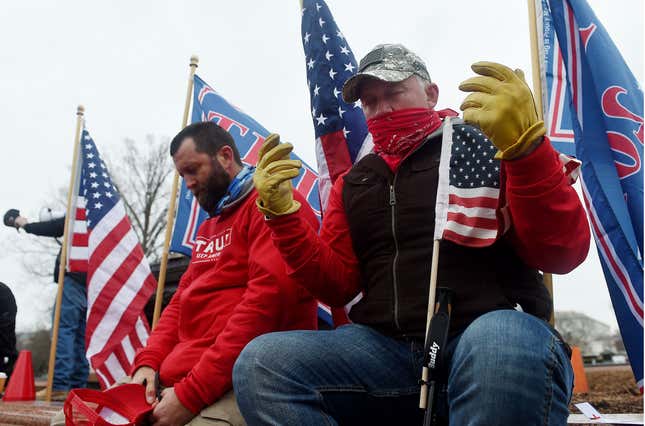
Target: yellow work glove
[
  {"x": 503, "y": 107},
  {"x": 272, "y": 178}
]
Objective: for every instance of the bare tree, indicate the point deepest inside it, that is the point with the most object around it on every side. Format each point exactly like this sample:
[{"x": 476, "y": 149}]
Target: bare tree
[{"x": 142, "y": 176}]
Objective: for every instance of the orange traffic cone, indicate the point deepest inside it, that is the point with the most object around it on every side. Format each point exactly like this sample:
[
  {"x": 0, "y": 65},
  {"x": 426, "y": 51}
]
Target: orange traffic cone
[
  {"x": 21, "y": 386},
  {"x": 580, "y": 384}
]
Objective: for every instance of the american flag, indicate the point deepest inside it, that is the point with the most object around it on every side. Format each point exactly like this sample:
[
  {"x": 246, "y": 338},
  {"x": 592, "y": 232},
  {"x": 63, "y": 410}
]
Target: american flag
[
  {"x": 340, "y": 128},
  {"x": 118, "y": 275},
  {"x": 468, "y": 193},
  {"x": 470, "y": 208}
]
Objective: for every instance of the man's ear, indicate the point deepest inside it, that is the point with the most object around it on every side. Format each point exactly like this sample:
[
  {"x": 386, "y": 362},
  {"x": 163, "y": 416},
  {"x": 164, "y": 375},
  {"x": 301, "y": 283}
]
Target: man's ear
[
  {"x": 432, "y": 94},
  {"x": 225, "y": 156}
]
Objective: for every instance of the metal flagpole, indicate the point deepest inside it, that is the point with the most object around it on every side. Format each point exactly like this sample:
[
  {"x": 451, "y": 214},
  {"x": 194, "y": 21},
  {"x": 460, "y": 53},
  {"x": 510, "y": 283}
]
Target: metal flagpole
[
  {"x": 194, "y": 61},
  {"x": 537, "y": 90},
  {"x": 63, "y": 254}
]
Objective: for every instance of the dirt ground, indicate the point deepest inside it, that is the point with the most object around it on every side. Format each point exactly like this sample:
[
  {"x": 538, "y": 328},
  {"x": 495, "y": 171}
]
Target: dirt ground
[{"x": 612, "y": 390}]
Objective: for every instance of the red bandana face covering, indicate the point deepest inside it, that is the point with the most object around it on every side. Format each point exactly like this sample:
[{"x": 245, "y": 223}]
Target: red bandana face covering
[{"x": 398, "y": 133}]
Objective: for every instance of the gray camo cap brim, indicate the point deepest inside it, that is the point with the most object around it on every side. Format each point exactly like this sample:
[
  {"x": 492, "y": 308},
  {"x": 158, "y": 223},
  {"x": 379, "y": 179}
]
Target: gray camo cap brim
[
  {"x": 351, "y": 86},
  {"x": 386, "y": 62}
]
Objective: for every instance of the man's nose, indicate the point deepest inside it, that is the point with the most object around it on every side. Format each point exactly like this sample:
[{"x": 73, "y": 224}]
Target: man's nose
[
  {"x": 190, "y": 182},
  {"x": 383, "y": 106}
]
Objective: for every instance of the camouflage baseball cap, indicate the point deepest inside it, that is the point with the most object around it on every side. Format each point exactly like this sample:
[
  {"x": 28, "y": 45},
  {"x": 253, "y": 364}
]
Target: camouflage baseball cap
[{"x": 387, "y": 62}]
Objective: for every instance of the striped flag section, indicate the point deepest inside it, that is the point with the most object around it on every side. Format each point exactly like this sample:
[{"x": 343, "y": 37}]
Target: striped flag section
[
  {"x": 78, "y": 254},
  {"x": 119, "y": 280}
]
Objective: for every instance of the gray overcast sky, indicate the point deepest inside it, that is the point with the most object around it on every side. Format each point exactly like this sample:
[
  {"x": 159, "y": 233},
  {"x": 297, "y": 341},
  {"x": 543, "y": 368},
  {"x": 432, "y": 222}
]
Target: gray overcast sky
[{"x": 127, "y": 62}]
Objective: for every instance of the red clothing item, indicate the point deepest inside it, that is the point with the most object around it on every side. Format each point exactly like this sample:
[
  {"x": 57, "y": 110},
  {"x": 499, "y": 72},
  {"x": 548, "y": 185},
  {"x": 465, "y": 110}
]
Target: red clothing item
[
  {"x": 549, "y": 231},
  {"x": 235, "y": 288}
]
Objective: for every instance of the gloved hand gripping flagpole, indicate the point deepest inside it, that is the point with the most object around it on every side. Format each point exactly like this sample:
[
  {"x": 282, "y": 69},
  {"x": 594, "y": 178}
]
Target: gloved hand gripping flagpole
[{"x": 161, "y": 282}]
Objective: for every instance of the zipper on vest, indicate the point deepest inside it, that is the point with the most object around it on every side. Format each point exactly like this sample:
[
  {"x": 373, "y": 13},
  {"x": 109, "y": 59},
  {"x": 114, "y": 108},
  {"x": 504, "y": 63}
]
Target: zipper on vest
[{"x": 396, "y": 255}]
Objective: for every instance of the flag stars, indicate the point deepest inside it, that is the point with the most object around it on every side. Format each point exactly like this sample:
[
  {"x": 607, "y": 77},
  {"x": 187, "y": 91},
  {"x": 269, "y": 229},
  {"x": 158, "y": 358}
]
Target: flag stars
[
  {"x": 340, "y": 35},
  {"x": 88, "y": 146},
  {"x": 321, "y": 22},
  {"x": 104, "y": 175},
  {"x": 98, "y": 205},
  {"x": 311, "y": 63},
  {"x": 316, "y": 90},
  {"x": 106, "y": 184},
  {"x": 318, "y": 7},
  {"x": 328, "y": 55},
  {"x": 332, "y": 73},
  {"x": 358, "y": 104},
  {"x": 90, "y": 155},
  {"x": 109, "y": 194},
  {"x": 96, "y": 195},
  {"x": 336, "y": 92},
  {"x": 94, "y": 185},
  {"x": 91, "y": 165},
  {"x": 344, "y": 50},
  {"x": 313, "y": 112},
  {"x": 349, "y": 67},
  {"x": 93, "y": 175},
  {"x": 341, "y": 111},
  {"x": 325, "y": 38},
  {"x": 321, "y": 119},
  {"x": 346, "y": 132},
  {"x": 306, "y": 38}
]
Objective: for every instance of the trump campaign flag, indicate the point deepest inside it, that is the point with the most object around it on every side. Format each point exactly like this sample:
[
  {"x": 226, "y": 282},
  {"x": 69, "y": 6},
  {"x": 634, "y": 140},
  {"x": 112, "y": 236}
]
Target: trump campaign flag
[
  {"x": 119, "y": 281},
  {"x": 606, "y": 106},
  {"x": 249, "y": 135},
  {"x": 340, "y": 128},
  {"x": 555, "y": 94}
]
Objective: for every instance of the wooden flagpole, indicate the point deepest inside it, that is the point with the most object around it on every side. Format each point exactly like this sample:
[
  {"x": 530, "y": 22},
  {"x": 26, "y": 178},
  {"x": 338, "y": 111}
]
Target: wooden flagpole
[
  {"x": 63, "y": 254},
  {"x": 432, "y": 294},
  {"x": 194, "y": 61},
  {"x": 537, "y": 90}
]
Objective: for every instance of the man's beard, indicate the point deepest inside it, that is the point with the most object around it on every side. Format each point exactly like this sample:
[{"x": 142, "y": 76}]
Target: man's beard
[{"x": 214, "y": 189}]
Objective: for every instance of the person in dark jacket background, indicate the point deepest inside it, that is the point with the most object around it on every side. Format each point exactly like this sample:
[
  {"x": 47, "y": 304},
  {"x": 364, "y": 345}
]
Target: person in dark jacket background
[
  {"x": 8, "y": 309},
  {"x": 71, "y": 367}
]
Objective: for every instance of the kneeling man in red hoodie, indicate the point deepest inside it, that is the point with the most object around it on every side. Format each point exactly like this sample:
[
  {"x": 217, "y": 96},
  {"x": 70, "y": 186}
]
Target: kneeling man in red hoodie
[{"x": 234, "y": 289}]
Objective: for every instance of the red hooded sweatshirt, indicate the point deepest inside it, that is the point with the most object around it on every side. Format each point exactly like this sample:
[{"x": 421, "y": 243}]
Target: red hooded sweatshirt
[{"x": 235, "y": 288}]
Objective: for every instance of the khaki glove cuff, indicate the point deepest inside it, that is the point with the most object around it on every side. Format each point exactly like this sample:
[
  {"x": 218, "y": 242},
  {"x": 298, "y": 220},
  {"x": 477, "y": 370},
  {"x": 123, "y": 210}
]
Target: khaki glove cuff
[
  {"x": 294, "y": 207},
  {"x": 524, "y": 143}
]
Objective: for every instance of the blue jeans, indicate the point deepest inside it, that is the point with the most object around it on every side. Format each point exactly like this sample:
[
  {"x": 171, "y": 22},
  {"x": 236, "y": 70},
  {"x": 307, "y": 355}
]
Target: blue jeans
[
  {"x": 71, "y": 367},
  {"x": 506, "y": 368}
]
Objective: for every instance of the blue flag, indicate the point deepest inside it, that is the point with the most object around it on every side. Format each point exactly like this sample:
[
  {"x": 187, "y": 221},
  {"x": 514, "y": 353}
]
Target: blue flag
[
  {"x": 249, "y": 135},
  {"x": 555, "y": 95},
  {"x": 606, "y": 106}
]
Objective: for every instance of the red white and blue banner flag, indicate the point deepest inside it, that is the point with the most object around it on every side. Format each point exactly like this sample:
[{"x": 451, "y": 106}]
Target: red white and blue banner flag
[
  {"x": 119, "y": 281},
  {"x": 606, "y": 105},
  {"x": 249, "y": 135},
  {"x": 555, "y": 94},
  {"x": 340, "y": 128}
]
